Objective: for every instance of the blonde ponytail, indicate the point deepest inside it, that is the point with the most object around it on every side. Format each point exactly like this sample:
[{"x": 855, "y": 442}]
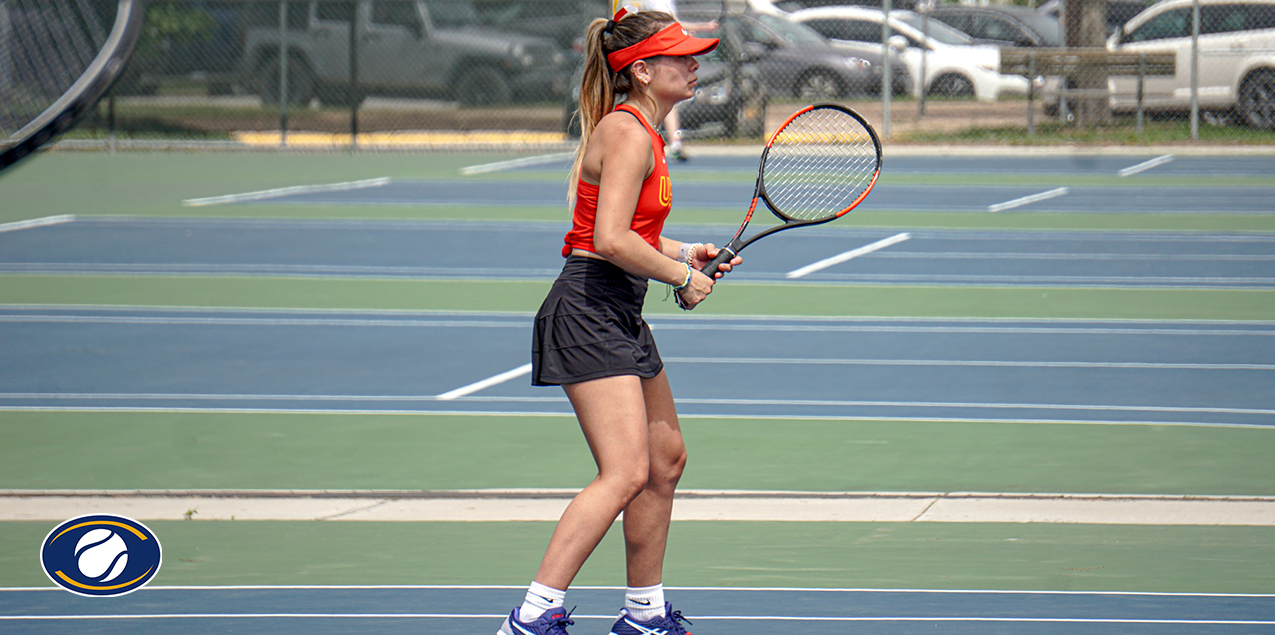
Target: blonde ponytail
[{"x": 600, "y": 86}]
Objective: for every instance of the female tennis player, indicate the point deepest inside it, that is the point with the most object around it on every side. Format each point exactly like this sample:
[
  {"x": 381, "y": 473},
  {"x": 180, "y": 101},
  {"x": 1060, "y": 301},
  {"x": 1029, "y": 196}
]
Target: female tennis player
[{"x": 589, "y": 334}]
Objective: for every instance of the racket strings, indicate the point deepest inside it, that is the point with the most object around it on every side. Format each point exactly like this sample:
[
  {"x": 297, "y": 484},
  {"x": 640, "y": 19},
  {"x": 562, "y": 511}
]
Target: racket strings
[
  {"x": 819, "y": 164},
  {"x": 45, "y": 47}
]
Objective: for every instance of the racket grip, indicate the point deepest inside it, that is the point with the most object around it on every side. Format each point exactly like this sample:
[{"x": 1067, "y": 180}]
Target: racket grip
[{"x": 723, "y": 255}]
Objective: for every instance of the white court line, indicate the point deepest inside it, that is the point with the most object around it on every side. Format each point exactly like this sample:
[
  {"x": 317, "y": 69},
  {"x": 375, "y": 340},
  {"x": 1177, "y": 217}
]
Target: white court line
[
  {"x": 733, "y": 589},
  {"x": 854, "y": 253},
  {"x": 522, "y": 370},
  {"x": 568, "y": 413},
  {"x": 1026, "y": 200},
  {"x": 941, "y": 363},
  {"x": 753, "y": 589},
  {"x": 761, "y": 618},
  {"x": 727, "y": 322},
  {"x": 514, "y": 163},
  {"x": 713, "y": 617},
  {"x": 36, "y": 222},
  {"x": 1145, "y": 165},
  {"x": 486, "y": 383},
  {"x": 285, "y": 191}
]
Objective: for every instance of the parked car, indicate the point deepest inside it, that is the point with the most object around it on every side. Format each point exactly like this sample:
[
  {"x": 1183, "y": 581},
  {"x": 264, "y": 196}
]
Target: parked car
[
  {"x": 562, "y": 21},
  {"x": 1003, "y": 25},
  {"x": 721, "y": 7},
  {"x": 730, "y": 97},
  {"x": 434, "y": 48},
  {"x": 954, "y": 65},
  {"x": 731, "y": 90},
  {"x": 1118, "y": 11},
  {"x": 796, "y": 5},
  {"x": 799, "y": 62},
  {"x": 1236, "y": 62}
]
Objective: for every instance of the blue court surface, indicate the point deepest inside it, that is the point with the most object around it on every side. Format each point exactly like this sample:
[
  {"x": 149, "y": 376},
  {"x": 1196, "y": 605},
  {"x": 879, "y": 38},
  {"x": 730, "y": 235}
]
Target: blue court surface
[
  {"x": 529, "y": 251},
  {"x": 468, "y": 610},
  {"x": 935, "y": 198},
  {"x": 1015, "y": 370}
]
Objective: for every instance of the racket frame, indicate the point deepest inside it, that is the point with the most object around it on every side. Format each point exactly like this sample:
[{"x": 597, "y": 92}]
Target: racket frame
[
  {"x": 84, "y": 94},
  {"x": 736, "y": 244}
]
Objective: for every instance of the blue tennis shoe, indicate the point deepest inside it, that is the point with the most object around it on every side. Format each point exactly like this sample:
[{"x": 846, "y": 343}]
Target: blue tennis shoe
[
  {"x": 554, "y": 622},
  {"x": 667, "y": 624}
]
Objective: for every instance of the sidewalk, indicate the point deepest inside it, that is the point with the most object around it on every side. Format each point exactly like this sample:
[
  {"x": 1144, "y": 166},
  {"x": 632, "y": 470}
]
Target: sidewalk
[{"x": 547, "y": 505}]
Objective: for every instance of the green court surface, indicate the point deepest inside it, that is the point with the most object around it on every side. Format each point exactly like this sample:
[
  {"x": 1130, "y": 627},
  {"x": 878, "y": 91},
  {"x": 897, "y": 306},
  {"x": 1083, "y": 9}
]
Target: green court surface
[
  {"x": 307, "y": 451},
  {"x": 732, "y": 299},
  {"x": 135, "y": 450},
  {"x": 735, "y": 554},
  {"x": 156, "y": 183}
]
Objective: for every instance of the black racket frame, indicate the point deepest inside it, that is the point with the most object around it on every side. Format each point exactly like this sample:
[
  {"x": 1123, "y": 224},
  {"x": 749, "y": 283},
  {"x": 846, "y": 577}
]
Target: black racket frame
[
  {"x": 759, "y": 192},
  {"x": 83, "y": 95}
]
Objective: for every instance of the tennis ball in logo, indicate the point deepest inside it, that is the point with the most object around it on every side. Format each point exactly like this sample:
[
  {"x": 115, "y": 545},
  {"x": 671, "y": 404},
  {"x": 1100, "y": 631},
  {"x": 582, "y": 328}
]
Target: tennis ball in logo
[
  {"x": 101, "y": 555},
  {"x": 98, "y": 555}
]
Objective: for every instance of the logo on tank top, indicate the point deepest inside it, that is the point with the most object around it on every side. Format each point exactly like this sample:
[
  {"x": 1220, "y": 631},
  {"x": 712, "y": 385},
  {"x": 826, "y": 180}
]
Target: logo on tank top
[{"x": 666, "y": 191}]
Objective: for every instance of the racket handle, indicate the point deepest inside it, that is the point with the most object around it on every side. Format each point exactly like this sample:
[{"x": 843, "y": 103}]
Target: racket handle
[{"x": 723, "y": 255}]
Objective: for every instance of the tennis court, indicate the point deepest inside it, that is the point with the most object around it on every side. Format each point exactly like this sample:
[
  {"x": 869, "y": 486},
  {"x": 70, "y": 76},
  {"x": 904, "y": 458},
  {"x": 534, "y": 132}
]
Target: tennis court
[{"x": 1043, "y": 405}]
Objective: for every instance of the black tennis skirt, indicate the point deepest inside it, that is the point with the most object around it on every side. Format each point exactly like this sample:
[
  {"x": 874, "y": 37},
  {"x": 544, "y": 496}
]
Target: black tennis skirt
[{"x": 591, "y": 326}]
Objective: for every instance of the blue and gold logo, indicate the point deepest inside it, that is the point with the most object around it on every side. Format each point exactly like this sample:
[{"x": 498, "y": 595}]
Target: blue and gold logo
[{"x": 100, "y": 555}]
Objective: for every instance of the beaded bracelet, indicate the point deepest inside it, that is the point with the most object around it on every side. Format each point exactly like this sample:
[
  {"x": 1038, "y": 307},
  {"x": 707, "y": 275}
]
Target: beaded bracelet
[
  {"x": 677, "y": 291},
  {"x": 687, "y": 281},
  {"x": 687, "y": 251}
]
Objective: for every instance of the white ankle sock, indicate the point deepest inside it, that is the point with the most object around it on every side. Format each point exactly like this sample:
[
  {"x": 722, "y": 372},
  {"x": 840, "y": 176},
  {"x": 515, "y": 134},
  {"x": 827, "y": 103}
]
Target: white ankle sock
[
  {"x": 645, "y": 603},
  {"x": 540, "y": 599}
]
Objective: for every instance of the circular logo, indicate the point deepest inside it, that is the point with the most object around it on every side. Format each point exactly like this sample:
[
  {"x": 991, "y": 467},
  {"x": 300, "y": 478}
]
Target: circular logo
[{"x": 100, "y": 554}]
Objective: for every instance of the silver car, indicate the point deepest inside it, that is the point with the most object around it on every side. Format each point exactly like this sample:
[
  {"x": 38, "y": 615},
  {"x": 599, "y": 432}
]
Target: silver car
[{"x": 794, "y": 60}]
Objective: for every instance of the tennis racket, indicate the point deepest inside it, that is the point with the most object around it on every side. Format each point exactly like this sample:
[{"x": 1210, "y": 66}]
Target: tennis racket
[
  {"x": 57, "y": 59},
  {"x": 820, "y": 164}
]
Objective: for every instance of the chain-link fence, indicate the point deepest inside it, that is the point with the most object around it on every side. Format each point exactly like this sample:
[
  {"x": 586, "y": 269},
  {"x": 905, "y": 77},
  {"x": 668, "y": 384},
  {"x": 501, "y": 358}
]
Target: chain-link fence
[{"x": 441, "y": 73}]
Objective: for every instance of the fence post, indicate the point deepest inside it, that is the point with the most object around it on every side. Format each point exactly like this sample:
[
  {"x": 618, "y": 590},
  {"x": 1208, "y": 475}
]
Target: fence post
[
  {"x": 1195, "y": 70},
  {"x": 283, "y": 73},
  {"x": 1142, "y": 77},
  {"x": 925, "y": 33},
  {"x": 886, "y": 88},
  {"x": 110, "y": 121},
  {"x": 1031, "y": 91},
  {"x": 354, "y": 77}
]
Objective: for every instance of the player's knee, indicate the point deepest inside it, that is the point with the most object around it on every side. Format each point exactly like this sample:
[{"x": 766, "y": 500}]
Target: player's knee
[
  {"x": 633, "y": 486},
  {"x": 667, "y": 470},
  {"x": 629, "y": 481},
  {"x": 673, "y": 471}
]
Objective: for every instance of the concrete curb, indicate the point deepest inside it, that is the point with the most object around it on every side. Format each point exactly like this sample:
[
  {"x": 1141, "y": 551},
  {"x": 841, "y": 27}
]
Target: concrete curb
[{"x": 694, "y": 505}]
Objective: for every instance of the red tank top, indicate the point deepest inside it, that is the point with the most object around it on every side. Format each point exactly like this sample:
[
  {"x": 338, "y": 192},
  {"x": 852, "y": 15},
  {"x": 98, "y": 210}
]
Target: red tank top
[{"x": 654, "y": 201}]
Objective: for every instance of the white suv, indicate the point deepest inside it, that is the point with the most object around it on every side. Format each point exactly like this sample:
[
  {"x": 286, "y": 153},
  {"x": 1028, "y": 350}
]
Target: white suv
[{"x": 1237, "y": 58}]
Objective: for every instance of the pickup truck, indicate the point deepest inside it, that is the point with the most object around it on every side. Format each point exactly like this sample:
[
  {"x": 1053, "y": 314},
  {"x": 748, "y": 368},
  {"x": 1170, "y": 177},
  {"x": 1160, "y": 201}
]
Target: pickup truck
[{"x": 427, "y": 48}]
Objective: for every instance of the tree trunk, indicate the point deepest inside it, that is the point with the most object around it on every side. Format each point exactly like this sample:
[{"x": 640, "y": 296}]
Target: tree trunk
[{"x": 1085, "y": 24}]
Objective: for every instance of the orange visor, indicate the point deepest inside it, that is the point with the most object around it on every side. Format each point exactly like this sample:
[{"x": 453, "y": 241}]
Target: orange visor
[{"x": 672, "y": 40}]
